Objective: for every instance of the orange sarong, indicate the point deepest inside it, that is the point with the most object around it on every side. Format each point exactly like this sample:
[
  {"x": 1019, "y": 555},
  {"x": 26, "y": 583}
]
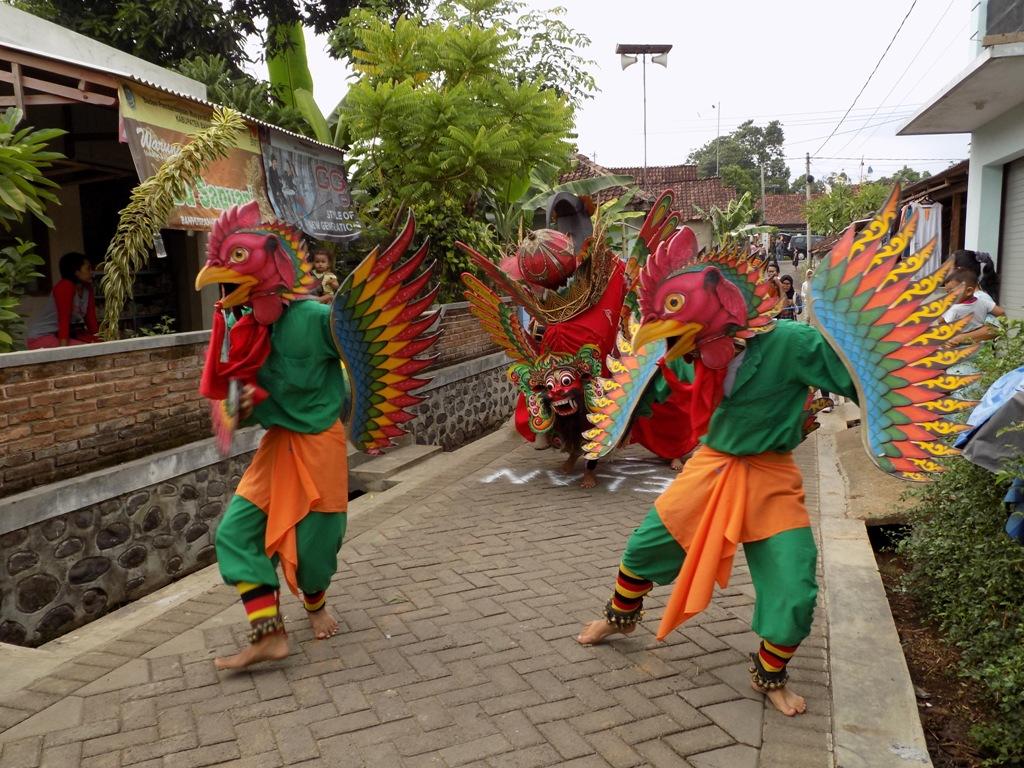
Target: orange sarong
[
  {"x": 291, "y": 475},
  {"x": 718, "y": 501}
]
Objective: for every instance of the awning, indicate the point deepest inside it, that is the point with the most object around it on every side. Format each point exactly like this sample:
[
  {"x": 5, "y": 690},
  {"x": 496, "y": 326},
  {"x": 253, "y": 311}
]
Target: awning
[{"x": 991, "y": 86}]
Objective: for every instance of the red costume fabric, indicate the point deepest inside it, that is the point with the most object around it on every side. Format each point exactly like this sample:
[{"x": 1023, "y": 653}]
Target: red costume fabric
[
  {"x": 597, "y": 325},
  {"x": 248, "y": 350}
]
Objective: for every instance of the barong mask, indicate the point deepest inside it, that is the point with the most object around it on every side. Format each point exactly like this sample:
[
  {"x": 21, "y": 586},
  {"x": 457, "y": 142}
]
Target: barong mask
[
  {"x": 702, "y": 303},
  {"x": 557, "y": 384}
]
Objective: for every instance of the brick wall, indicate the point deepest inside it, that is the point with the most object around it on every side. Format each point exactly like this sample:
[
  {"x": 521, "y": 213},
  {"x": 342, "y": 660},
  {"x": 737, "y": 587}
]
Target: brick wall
[
  {"x": 463, "y": 338},
  {"x": 63, "y": 418}
]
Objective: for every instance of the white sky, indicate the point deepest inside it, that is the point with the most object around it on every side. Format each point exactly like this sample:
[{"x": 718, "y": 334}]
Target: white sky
[{"x": 801, "y": 61}]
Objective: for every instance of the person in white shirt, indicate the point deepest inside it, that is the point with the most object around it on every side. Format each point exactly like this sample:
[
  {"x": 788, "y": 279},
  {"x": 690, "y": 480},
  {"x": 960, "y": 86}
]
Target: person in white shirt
[{"x": 972, "y": 303}]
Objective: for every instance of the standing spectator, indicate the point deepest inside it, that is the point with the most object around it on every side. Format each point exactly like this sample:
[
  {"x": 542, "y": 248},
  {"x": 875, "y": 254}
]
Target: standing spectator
[
  {"x": 792, "y": 302},
  {"x": 69, "y": 316},
  {"x": 780, "y": 249},
  {"x": 805, "y": 289}
]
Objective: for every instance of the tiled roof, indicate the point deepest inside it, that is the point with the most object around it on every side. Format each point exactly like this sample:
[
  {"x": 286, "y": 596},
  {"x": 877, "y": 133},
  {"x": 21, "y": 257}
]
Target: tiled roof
[
  {"x": 585, "y": 168},
  {"x": 690, "y": 192},
  {"x": 785, "y": 210}
]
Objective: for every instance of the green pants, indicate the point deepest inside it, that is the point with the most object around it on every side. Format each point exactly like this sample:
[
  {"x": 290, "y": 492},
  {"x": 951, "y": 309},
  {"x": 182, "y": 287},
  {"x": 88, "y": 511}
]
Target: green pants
[
  {"x": 782, "y": 568},
  {"x": 241, "y": 555}
]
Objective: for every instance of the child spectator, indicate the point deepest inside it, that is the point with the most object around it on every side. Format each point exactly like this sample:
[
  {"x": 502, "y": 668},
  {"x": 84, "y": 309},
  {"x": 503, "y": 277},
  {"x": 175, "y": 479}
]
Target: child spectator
[
  {"x": 327, "y": 281},
  {"x": 972, "y": 304},
  {"x": 69, "y": 317}
]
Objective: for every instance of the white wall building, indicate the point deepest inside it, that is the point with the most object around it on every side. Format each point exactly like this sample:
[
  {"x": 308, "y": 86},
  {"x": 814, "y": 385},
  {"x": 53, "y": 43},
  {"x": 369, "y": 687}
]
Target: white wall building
[{"x": 987, "y": 101}]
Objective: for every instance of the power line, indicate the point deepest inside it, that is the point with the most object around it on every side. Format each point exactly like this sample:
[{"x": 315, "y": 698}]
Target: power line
[
  {"x": 906, "y": 69},
  {"x": 873, "y": 71},
  {"x": 883, "y": 159},
  {"x": 843, "y": 133}
]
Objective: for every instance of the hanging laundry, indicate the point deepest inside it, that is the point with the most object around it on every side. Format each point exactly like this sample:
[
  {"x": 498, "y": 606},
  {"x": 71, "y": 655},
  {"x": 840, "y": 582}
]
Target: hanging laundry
[{"x": 929, "y": 225}]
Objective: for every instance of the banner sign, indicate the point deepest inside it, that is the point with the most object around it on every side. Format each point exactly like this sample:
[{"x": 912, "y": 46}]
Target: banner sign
[
  {"x": 307, "y": 187},
  {"x": 155, "y": 123}
]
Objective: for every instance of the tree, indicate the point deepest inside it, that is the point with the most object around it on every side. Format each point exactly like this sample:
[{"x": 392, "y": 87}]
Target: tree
[
  {"x": 437, "y": 119},
  {"x": 905, "y": 176},
  {"x": 24, "y": 191},
  {"x": 165, "y": 32},
  {"x": 741, "y": 154},
  {"x": 734, "y": 224},
  {"x": 831, "y": 213}
]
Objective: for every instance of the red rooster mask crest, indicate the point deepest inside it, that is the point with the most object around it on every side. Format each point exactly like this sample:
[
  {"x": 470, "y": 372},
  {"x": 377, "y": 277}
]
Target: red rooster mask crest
[
  {"x": 265, "y": 260},
  {"x": 699, "y": 303}
]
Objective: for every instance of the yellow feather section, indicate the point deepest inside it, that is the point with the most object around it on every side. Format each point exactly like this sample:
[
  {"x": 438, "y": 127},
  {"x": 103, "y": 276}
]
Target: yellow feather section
[
  {"x": 391, "y": 378},
  {"x": 391, "y": 331},
  {"x": 386, "y": 407},
  {"x": 939, "y": 332},
  {"x": 926, "y": 286},
  {"x": 393, "y": 347},
  {"x": 370, "y": 289},
  {"x": 949, "y": 405},
  {"x": 936, "y": 449},
  {"x": 931, "y": 310},
  {"x": 949, "y": 383},
  {"x": 944, "y": 428},
  {"x": 393, "y": 362},
  {"x": 383, "y": 298},
  {"x": 365, "y": 269},
  {"x": 927, "y": 465},
  {"x": 915, "y": 476},
  {"x": 908, "y": 266},
  {"x": 385, "y": 317},
  {"x": 943, "y": 358},
  {"x": 897, "y": 245},
  {"x": 878, "y": 226}
]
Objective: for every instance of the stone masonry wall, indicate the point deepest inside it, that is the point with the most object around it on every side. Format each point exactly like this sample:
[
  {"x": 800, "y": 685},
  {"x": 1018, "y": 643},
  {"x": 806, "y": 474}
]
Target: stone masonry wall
[
  {"x": 64, "y": 418},
  {"x": 69, "y": 570},
  {"x": 462, "y": 411}
]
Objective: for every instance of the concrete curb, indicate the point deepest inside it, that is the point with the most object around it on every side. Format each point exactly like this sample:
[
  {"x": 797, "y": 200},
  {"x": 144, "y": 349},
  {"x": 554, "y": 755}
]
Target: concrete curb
[{"x": 875, "y": 717}]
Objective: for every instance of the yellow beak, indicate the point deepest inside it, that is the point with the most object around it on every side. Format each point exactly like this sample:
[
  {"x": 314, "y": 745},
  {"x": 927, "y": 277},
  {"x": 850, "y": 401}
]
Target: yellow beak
[
  {"x": 209, "y": 275},
  {"x": 662, "y": 329}
]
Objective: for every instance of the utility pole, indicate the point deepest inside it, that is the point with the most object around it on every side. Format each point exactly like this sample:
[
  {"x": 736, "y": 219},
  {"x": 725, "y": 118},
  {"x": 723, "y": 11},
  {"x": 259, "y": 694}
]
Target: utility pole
[
  {"x": 862, "y": 169},
  {"x": 643, "y": 60},
  {"x": 718, "y": 140},
  {"x": 764, "y": 210},
  {"x": 807, "y": 179}
]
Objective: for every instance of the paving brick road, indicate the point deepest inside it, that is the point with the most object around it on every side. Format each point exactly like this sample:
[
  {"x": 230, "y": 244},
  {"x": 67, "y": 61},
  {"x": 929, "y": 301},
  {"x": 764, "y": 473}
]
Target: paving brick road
[{"x": 459, "y": 600}]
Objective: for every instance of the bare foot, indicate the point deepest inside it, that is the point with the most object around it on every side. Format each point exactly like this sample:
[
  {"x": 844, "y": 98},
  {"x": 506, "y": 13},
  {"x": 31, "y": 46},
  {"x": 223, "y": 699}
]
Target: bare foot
[
  {"x": 589, "y": 479},
  {"x": 268, "y": 648},
  {"x": 784, "y": 700},
  {"x": 323, "y": 624},
  {"x": 676, "y": 464},
  {"x": 570, "y": 463},
  {"x": 596, "y": 631}
]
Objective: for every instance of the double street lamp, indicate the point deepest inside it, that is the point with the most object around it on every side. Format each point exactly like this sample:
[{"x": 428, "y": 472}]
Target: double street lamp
[{"x": 629, "y": 54}]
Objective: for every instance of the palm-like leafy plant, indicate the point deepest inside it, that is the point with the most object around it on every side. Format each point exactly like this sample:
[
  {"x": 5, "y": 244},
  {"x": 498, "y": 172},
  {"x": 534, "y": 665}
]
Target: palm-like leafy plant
[
  {"x": 735, "y": 223},
  {"x": 150, "y": 205}
]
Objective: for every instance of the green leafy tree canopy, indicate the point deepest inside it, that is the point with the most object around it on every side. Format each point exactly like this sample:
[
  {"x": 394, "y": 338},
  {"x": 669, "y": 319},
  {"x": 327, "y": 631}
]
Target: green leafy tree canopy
[
  {"x": 742, "y": 153},
  {"x": 438, "y": 117},
  {"x": 832, "y": 212}
]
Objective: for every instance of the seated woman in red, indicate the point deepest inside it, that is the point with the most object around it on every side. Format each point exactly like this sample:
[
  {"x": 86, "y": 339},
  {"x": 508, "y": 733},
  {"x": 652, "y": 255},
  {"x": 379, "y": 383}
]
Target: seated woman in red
[{"x": 69, "y": 317}]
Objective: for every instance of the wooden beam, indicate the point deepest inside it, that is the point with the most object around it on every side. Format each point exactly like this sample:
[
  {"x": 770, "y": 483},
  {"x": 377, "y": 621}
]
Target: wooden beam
[
  {"x": 19, "y": 94},
  {"x": 955, "y": 229},
  {"x": 33, "y": 99},
  {"x": 35, "y": 84},
  {"x": 57, "y": 67}
]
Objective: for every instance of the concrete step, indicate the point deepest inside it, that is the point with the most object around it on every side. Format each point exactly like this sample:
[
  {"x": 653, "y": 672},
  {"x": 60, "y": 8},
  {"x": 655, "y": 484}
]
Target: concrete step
[{"x": 375, "y": 473}]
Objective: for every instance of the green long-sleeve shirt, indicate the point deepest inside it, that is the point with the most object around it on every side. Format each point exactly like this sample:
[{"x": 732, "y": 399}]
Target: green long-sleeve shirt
[
  {"x": 302, "y": 373},
  {"x": 764, "y": 409}
]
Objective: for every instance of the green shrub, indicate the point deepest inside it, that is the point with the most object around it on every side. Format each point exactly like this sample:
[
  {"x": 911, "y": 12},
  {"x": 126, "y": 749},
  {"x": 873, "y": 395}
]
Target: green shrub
[{"x": 969, "y": 576}]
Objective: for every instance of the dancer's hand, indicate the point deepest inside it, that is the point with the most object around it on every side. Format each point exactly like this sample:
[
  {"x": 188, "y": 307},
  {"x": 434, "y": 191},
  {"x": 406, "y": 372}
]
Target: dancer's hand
[{"x": 245, "y": 404}]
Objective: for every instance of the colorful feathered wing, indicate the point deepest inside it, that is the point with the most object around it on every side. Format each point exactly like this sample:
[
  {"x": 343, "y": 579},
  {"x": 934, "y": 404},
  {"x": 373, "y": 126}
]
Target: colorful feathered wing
[
  {"x": 380, "y": 328},
  {"x": 887, "y": 328},
  {"x": 630, "y": 375},
  {"x": 661, "y": 221},
  {"x": 500, "y": 319}
]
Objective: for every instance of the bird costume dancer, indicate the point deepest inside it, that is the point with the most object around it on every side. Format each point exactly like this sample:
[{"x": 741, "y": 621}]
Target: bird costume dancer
[
  {"x": 292, "y": 362},
  {"x": 880, "y": 344},
  {"x": 579, "y": 302}
]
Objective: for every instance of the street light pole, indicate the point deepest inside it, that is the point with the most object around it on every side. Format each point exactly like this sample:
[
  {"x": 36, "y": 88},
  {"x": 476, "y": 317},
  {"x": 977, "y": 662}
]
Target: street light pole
[
  {"x": 629, "y": 53},
  {"x": 718, "y": 140}
]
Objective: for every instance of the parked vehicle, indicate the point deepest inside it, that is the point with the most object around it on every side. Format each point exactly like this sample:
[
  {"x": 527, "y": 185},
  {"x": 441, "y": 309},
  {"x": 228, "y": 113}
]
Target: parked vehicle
[{"x": 798, "y": 243}]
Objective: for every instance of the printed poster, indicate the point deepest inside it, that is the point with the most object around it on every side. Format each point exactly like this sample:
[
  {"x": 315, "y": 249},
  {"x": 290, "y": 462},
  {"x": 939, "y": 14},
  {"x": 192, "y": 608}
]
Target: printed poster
[
  {"x": 307, "y": 187},
  {"x": 154, "y": 123}
]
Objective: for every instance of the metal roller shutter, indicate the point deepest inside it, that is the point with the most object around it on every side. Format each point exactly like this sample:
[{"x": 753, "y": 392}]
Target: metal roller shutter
[{"x": 1011, "y": 242}]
